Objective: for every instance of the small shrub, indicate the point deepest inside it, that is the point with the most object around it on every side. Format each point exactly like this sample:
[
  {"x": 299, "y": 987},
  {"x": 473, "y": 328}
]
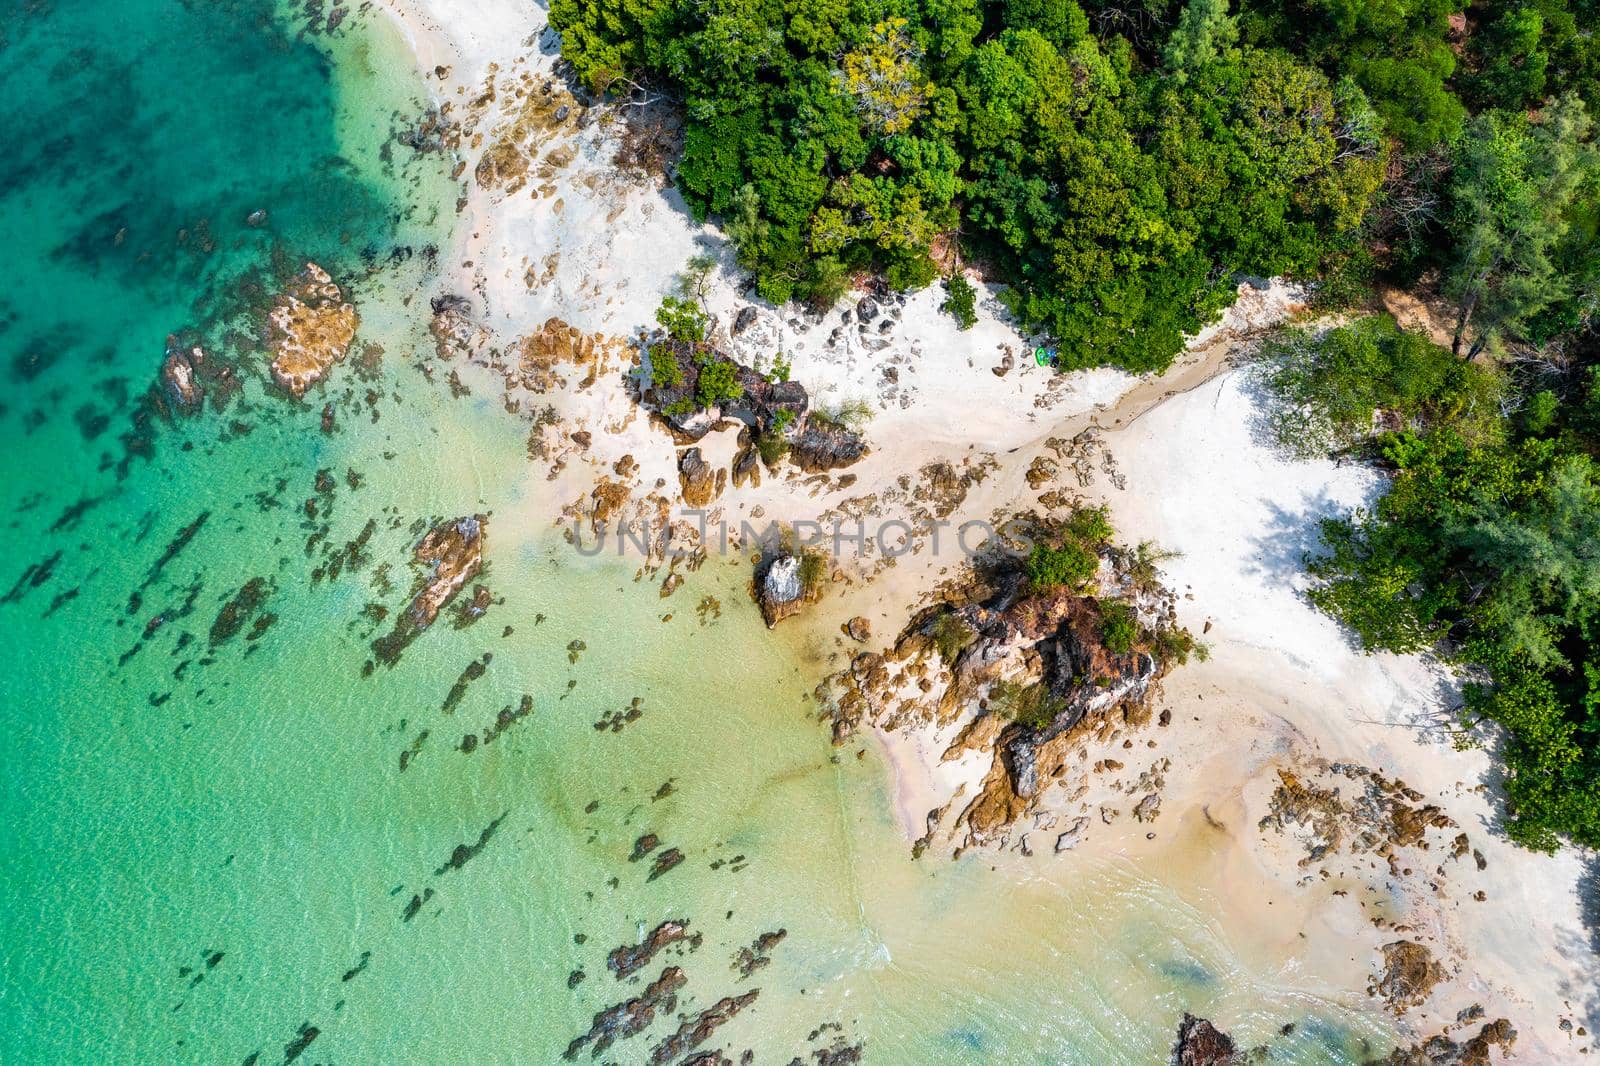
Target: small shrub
[
  {"x": 1119, "y": 627},
  {"x": 1347, "y": 280},
  {"x": 951, "y": 636},
  {"x": 1175, "y": 644},
  {"x": 1540, "y": 412},
  {"x": 772, "y": 447},
  {"x": 682, "y": 319},
  {"x": 1071, "y": 566},
  {"x": 846, "y": 414},
  {"x": 695, "y": 281},
  {"x": 1090, "y": 526},
  {"x": 913, "y": 271},
  {"x": 961, "y": 301},
  {"x": 1031, "y": 705},
  {"x": 1143, "y": 565},
  {"x": 665, "y": 371},
  {"x": 1402, "y": 449},
  {"x": 829, "y": 281},
  {"x": 719, "y": 381},
  {"x": 813, "y": 571}
]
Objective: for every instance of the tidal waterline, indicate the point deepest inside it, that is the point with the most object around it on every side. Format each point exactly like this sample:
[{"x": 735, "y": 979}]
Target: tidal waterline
[{"x": 233, "y": 841}]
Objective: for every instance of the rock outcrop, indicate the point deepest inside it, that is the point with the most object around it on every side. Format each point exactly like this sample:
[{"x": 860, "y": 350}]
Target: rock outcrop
[
  {"x": 309, "y": 328},
  {"x": 1377, "y": 816},
  {"x": 1202, "y": 1044},
  {"x": 630, "y": 958},
  {"x": 696, "y": 1030},
  {"x": 1442, "y": 1050},
  {"x": 454, "y": 328},
  {"x": 449, "y": 555},
  {"x": 780, "y": 591},
  {"x": 823, "y": 446},
  {"x": 631, "y": 1017},
  {"x": 746, "y": 467},
  {"x": 556, "y": 343},
  {"x": 696, "y": 478},
  {"x": 1044, "y": 652},
  {"x": 764, "y": 406},
  {"x": 1409, "y": 974},
  {"x": 1028, "y": 673}
]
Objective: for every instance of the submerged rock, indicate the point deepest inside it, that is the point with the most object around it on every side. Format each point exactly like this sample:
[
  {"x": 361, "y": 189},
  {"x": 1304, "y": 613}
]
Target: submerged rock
[
  {"x": 664, "y": 862},
  {"x": 450, "y": 554},
  {"x": 454, "y": 328},
  {"x": 631, "y": 1017},
  {"x": 178, "y": 375},
  {"x": 697, "y": 1030},
  {"x": 309, "y": 328},
  {"x": 750, "y": 959},
  {"x": 630, "y": 958}
]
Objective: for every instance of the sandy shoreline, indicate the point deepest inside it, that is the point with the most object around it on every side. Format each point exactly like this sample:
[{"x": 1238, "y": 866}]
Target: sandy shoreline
[{"x": 1189, "y": 469}]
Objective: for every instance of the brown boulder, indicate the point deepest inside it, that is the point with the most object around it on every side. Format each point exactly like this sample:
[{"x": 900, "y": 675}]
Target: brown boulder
[
  {"x": 747, "y": 467},
  {"x": 1409, "y": 974},
  {"x": 1202, "y": 1044},
  {"x": 697, "y": 479}
]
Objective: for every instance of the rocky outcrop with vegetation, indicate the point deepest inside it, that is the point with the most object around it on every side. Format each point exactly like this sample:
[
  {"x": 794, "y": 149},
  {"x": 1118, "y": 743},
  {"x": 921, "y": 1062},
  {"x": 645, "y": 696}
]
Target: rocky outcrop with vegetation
[
  {"x": 1029, "y": 657},
  {"x": 694, "y": 387}
]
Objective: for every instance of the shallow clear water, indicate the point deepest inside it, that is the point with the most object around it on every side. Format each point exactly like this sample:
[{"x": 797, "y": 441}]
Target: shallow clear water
[{"x": 206, "y": 837}]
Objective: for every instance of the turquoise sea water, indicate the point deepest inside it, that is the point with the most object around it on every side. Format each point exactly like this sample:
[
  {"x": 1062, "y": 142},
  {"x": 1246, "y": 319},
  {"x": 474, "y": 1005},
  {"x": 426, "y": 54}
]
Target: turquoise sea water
[{"x": 212, "y": 842}]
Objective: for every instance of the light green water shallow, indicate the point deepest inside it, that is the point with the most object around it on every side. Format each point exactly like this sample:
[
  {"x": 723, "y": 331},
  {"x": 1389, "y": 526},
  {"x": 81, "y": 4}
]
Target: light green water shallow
[{"x": 255, "y": 807}]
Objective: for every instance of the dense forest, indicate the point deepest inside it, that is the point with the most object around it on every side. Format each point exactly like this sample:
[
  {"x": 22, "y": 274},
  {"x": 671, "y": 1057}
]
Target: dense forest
[
  {"x": 1117, "y": 167},
  {"x": 1120, "y": 165}
]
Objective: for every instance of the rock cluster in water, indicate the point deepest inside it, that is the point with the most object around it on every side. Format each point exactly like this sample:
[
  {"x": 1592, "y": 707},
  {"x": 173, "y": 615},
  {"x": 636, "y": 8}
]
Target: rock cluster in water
[
  {"x": 1200, "y": 1043},
  {"x": 309, "y": 328},
  {"x": 630, "y": 958}
]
